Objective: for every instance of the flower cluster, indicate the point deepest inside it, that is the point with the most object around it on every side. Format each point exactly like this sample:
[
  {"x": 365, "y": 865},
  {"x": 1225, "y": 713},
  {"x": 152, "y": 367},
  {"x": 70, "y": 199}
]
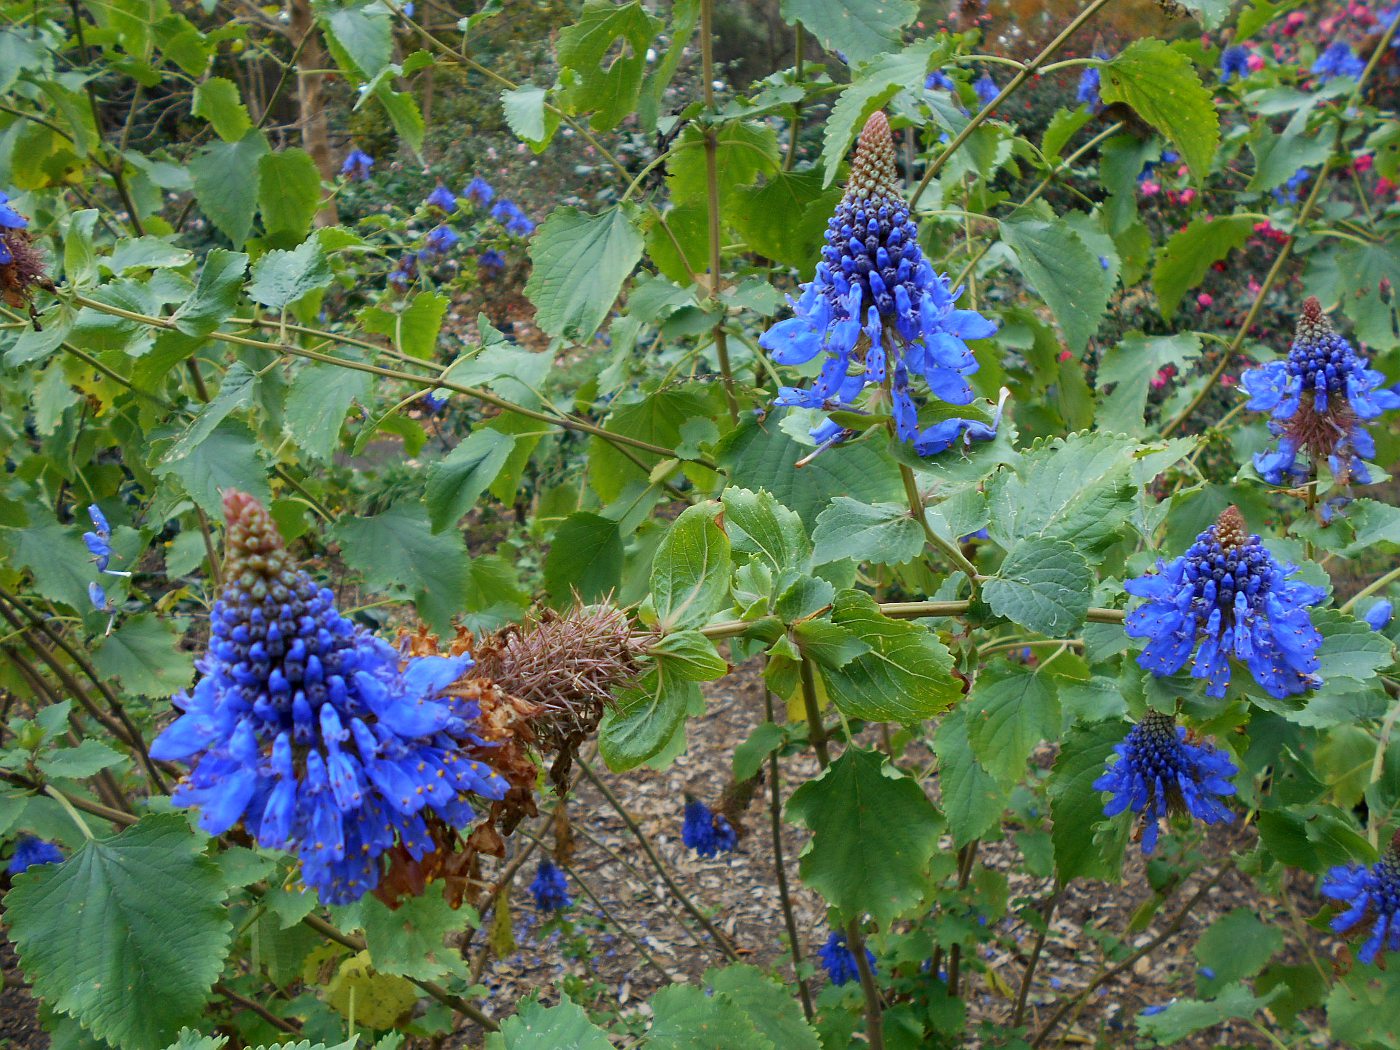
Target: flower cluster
[
  {"x": 840, "y": 962},
  {"x": 443, "y": 238},
  {"x": 358, "y": 165},
  {"x": 509, "y": 215},
  {"x": 1160, "y": 773},
  {"x": 1338, "y": 61},
  {"x": 707, "y": 833},
  {"x": 99, "y": 545},
  {"x": 986, "y": 88},
  {"x": 1318, "y": 400},
  {"x": 1372, "y": 898},
  {"x": 30, "y": 851},
  {"x": 550, "y": 888},
  {"x": 310, "y": 732},
  {"x": 1234, "y": 62},
  {"x": 877, "y": 309},
  {"x": 1228, "y": 593}
]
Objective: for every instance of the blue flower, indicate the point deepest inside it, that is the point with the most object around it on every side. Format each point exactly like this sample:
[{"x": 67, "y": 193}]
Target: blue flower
[
  {"x": 1378, "y": 615},
  {"x": 99, "y": 541},
  {"x": 9, "y": 220},
  {"x": 479, "y": 191},
  {"x": 840, "y": 961},
  {"x": 1159, "y": 774},
  {"x": 1372, "y": 897},
  {"x": 1338, "y": 61},
  {"x": 954, "y": 430},
  {"x": 490, "y": 262},
  {"x": 433, "y": 401},
  {"x": 550, "y": 888},
  {"x": 98, "y": 597},
  {"x": 876, "y": 308},
  {"x": 940, "y": 79},
  {"x": 1228, "y": 593},
  {"x": 408, "y": 9},
  {"x": 1289, "y": 192},
  {"x": 309, "y": 731},
  {"x": 986, "y": 88},
  {"x": 442, "y": 198},
  {"x": 30, "y": 851},
  {"x": 1318, "y": 399},
  {"x": 1154, "y": 1009},
  {"x": 405, "y": 271},
  {"x": 1234, "y": 62},
  {"x": 439, "y": 242},
  {"x": 358, "y": 165},
  {"x": 509, "y": 215},
  {"x": 706, "y": 833}
]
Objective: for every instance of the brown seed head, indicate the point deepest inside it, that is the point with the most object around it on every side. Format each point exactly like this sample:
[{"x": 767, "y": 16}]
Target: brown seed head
[
  {"x": 1313, "y": 324},
  {"x": 873, "y": 171},
  {"x": 24, "y": 271},
  {"x": 253, "y": 548},
  {"x": 1230, "y": 529}
]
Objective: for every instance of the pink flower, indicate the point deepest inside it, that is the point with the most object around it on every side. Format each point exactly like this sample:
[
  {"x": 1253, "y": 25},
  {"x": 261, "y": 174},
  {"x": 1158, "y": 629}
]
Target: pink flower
[
  {"x": 1253, "y": 286},
  {"x": 1065, "y": 355},
  {"x": 1280, "y": 51},
  {"x": 1228, "y": 380},
  {"x": 1384, "y": 185},
  {"x": 1205, "y": 300},
  {"x": 1186, "y": 196},
  {"x": 1150, "y": 188},
  {"x": 1364, "y": 162},
  {"x": 1255, "y": 63}
]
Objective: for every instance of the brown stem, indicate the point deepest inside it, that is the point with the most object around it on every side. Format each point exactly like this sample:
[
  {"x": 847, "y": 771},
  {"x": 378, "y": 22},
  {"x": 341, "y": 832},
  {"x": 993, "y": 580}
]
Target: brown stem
[
  {"x": 1040, "y": 936},
  {"x": 775, "y": 806},
  {"x": 712, "y": 190},
  {"x": 252, "y": 1005}
]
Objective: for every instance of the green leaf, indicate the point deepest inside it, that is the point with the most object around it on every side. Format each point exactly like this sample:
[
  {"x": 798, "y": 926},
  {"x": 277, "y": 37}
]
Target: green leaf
[
  {"x": 758, "y": 524},
  {"x": 754, "y": 751},
  {"x": 1043, "y": 585},
  {"x": 579, "y": 263},
  {"x": 127, "y": 935},
  {"x": 585, "y": 556},
  {"x": 529, "y": 116},
  {"x": 410, "y": 940},
  {"x": 281, "y": 278},
  {"x": 1066, "y": 273},
  {"x": 289, "y": 191},
  {"x": 75, "y": 763},
  {"x": 144, "y": 654},
  {"x": 905, "y": 676},
  {"x": 1210, "y": 13},
  {"x": 1375, "y": 523},
  {"x": 689, "y": 655},
  {"x": 785, "y": 218},
  {"x": 769, "y": 1005},
  {"x": 1011, "y": 709},
  {"x": 1076, "y": 806},
  {"x": 644, "y": 720},
  {"x": 874, "y": 832},
  {"x": 882, "y": 534},
  {"x": 457, "y": 481},
  {"x": 360, "y": 35},
  {"x": 537, "y": 1027},
  {"x": 743, "y": 151},
  {"x": 972, "y": 799},
  {"x": 236, "y": 391},
  {"x": 1238, "y": 945},
  {"x": 1185, "y": 1016},
  {"x": 60, "y": 563},
  {"x": 225, "y": 178},
  {"x": 1183, "y": 261},
  {"x": 763, "y": 456},
  {"x": 688, "y": 1019},
  {"x": 215, "y": 295},
  {"x": 1129, "y": 369},
  {"x": 217, "y": 101},
  {"x": 320, "y": 396},
  {"x": 873, "y": 85},
  {"x": 415, "y": 329},
  {"x": 397, "y": 552},
  {"x": 1277, "y": 157},
  {"x": 1350, "y": 649},
  {"x": 404, "y": 114},
  {"x": 859, "y": 30},
  {"x": 609, "y": 75},
  {"x": 1363, "y": 1009},
  {"x": 827, "y": 643},
  {"x": 230, "y": 457},
  {"x": 690, "y": 573},
  {"x": 1162, "y": 86},
  {"x": 1078, "y": 489}
]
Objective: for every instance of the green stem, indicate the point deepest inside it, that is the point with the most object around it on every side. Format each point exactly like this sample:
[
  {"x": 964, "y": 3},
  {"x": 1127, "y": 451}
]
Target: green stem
[
  {"x": 799, "y": 46},
  {"x": 707, "y": 62},
  {"x": 948, "y": 547},
  {"x": 67, "y": 806},
  {"x": 1372, "y": 588},
  {"x": 775, "y": 805}
]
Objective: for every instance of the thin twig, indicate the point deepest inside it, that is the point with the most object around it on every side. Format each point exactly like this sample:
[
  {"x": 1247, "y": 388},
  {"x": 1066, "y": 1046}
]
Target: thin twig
[{"x": 775, "y": 807}]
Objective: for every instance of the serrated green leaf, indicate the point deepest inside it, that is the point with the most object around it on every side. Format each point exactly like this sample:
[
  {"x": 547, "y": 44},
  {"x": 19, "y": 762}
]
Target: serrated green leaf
[
  {"x": 538, "y": 1027},
  {"x": 1363, "y": 1009},
  {"x": 281, "y": 278},
  {"x": 404, "y": 114},
  {"x": 1043, "y": 585},
  {"x": 1011, "y": 709},
  {"x": 644, "y": 720},
  {"x": 1183, "y": 261},
  {"x": 1076, "y": 806},
  {"x": 1350, "y": 649},
  {"x": 828, "y": 644},
  {"x": 585, "y": 556},
  {"x": 688, "y": 1019},
  {"x": 457, "y": 481},
  {"x": 1129, "y": 369},
  {"x": 60, "y": 563},
  {"x": 225, "y": 176},
  {"x": 906, "y": 676},
  {"x": 1066, "y": 273},
  {"x": 144, "y": 654},
  {"x": 97, "y": 943},
  {"x": 785, "y": 218},
  {"x": 768, "y": 1004},
  {"x": 74, "y": 763},
  {"x": 689, "y": 655},
  {"x": 320, "y": 397},
  {"x": 1237, "y": 945},
  {"x": 289, "y": 191},
  {"x": 217, "y": 101},
  {"x": 751, "y": 754},
  {"x": 529, "y": 116},
  {"x": 230, "y": 457},
  {"x": 608, "y": 81},
  {"x": 874, "y": 832},
  {"x": 579, "y": 262},
  {"x": 743, "y": 151},
  {"x": 1186, "y": 1016},
  {"x": 873, "y": 85},
  {"x": 1375, "y": 523},
  {"x": 858, "y": 30},
  {"x": 758, "y": 524},
  {"x": 972, "y": 799},
  {"x": 215, "y": 294},
  {"x": 360, "y": 35},
  {"x": 398, "y": 552},
  {"x": 410, "y": 940},
  {"x": 1162, "y": 87},
  {"x": 881, "y": 534},
  {"x": 690, "y": 572}
]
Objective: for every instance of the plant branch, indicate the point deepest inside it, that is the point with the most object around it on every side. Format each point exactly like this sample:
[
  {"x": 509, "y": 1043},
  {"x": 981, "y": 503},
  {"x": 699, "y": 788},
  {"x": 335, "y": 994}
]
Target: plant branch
[
  {"x": 775, "y": 806},
  {"x": 707, "y": 62}
]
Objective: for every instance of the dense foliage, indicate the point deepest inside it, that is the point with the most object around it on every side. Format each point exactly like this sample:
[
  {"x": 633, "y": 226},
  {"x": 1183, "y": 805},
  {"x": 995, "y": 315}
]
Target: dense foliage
[{"x": 407, "y": 407}]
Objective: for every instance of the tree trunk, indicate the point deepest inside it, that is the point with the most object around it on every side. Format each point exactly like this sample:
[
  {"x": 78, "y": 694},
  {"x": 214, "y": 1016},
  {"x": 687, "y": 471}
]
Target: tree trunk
[{"x": 311, "y": 113}]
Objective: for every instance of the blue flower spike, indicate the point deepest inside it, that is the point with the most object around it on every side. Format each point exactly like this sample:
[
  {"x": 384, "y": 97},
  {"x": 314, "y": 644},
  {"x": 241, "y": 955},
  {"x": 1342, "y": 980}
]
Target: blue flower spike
[
  {"x": 877, "y": 310},
  {"x": 1339, "y": 60},
  {"x": 358, "y": 165},
  {"x": 550, "y": 888},
  {"x": 840, "y": 962},
  {"x": 314, "y": 734},
  {"x": 708, "y": 834},
  {"x": 479, "y": 192},
  {"x": 1229, "y": 594},
  {"x": 1371, "y": 897},
  {"x": 31, "y": 851},
  {"x": 1161, "y": 773},
  {"x": 1319, "y": 400},
  {"x": 443, "y": 199}
]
